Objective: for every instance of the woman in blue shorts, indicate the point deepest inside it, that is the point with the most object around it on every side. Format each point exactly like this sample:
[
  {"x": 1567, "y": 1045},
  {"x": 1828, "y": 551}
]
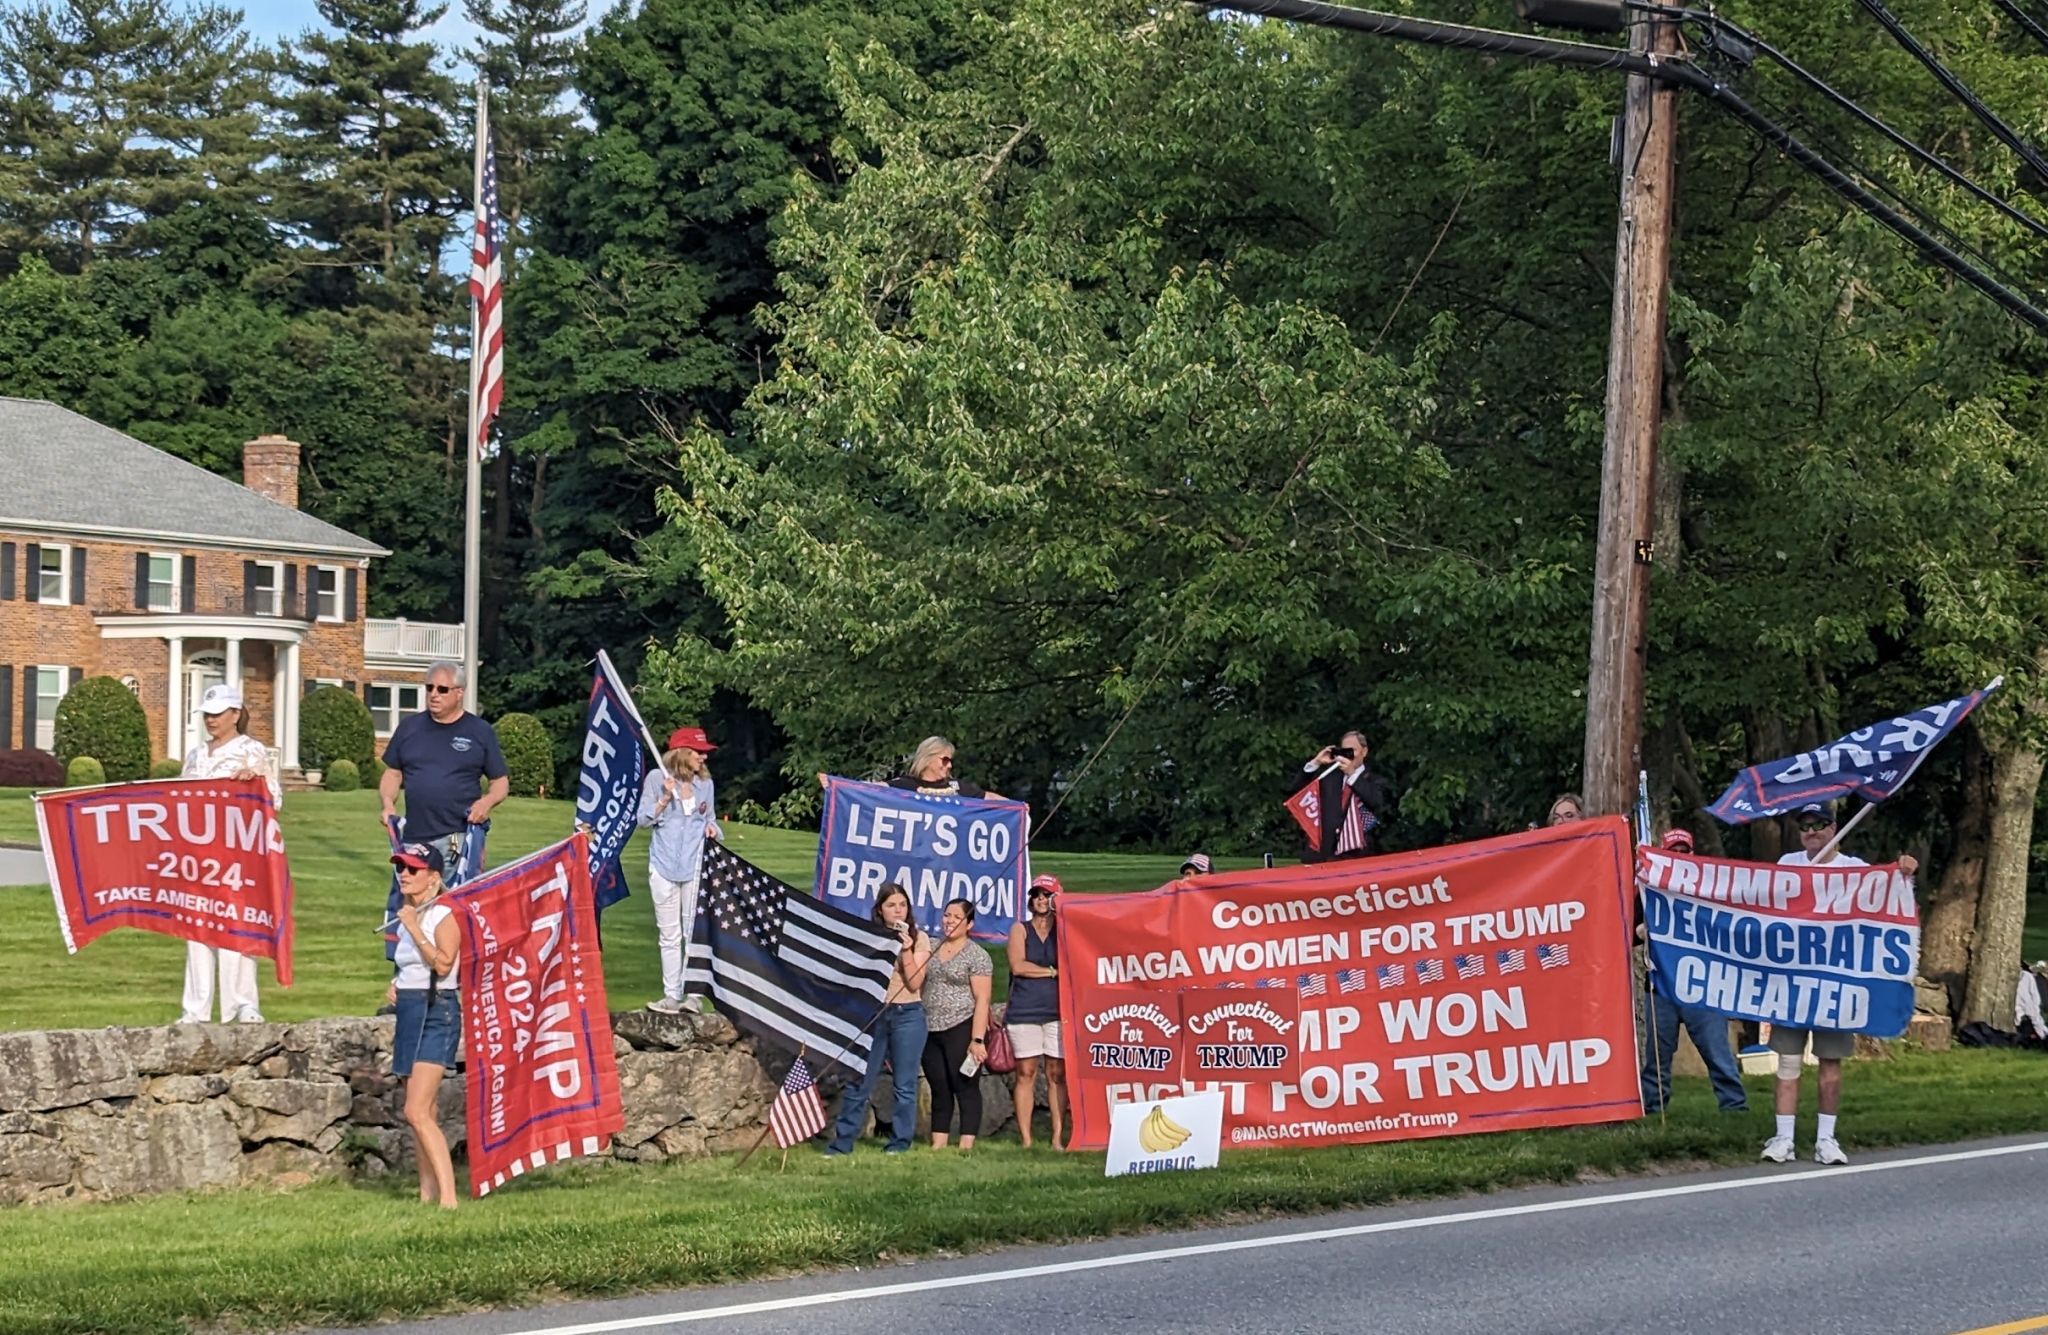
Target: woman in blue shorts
[{"x": 429, "y": 1014}]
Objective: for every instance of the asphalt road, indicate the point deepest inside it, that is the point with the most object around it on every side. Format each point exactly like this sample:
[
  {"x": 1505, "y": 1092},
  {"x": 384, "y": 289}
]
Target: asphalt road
[
  {"x": 22, "y": 866},
  {"x": 1926, "y": 1242}
]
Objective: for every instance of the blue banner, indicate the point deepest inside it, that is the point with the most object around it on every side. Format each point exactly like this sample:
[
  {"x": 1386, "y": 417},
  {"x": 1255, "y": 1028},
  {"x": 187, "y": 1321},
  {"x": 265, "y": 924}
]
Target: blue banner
[
  {"x": 1872, "y": 762},
  {"x": 1827, "y": 947},
  {"x": 608, "y": 789},
  {"x": 937, "y": 848}
]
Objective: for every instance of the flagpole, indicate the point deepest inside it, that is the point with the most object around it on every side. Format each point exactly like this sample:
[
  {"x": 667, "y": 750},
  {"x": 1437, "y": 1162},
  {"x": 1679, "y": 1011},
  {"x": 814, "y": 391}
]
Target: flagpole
[{"x": 472, "y": 519}]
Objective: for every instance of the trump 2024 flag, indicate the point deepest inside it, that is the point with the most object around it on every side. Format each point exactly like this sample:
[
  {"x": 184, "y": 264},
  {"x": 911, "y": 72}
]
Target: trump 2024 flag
[{"x": 608, "y": 788}]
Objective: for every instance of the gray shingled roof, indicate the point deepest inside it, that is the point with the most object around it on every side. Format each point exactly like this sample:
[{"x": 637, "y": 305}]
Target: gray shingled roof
[{"x": 61, "y": 471}]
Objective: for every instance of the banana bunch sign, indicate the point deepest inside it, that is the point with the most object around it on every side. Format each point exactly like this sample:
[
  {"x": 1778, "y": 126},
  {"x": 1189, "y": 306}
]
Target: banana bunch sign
[{"x": 1165, "y": 1135}]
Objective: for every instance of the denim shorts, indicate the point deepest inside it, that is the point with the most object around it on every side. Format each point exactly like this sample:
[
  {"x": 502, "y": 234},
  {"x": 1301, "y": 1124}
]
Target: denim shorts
[{"x": 425, "y": 1033}]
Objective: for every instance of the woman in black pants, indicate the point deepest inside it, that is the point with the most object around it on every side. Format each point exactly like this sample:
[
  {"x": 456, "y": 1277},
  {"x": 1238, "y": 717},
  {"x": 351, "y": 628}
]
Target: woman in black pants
[{"x": 957, "y": 985}]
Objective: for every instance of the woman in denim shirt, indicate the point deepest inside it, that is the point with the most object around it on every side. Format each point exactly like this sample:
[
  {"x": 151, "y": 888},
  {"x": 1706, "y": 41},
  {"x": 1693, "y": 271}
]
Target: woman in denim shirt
[{"x": 677, "y": 807}]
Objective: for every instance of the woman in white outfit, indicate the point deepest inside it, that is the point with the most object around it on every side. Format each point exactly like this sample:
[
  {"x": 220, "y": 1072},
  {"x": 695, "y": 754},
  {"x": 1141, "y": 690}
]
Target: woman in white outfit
[
  {"x": 677, "y": 807},
  {"x": 227, "y": 753}
]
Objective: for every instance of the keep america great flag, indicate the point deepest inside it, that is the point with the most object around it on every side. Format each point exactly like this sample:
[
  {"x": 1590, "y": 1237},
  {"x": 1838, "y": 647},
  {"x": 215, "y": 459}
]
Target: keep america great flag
[{"x": 785, "y": 967}]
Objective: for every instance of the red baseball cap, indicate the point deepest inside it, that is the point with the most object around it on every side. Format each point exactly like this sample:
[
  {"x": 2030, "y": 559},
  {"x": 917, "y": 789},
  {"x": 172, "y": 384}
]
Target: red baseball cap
[
  {"x": 1046, "y": 882},
  {"x": 691, "y": 738},
  {"x": 1678, "y": 838}
]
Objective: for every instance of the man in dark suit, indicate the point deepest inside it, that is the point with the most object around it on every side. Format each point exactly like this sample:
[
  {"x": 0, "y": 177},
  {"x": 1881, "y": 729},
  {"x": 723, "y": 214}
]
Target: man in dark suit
[{"x": 1352, "y": 799}]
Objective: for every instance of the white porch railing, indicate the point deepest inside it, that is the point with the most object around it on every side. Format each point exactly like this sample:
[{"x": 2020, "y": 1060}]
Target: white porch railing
[{"x": 425, "y": 641}]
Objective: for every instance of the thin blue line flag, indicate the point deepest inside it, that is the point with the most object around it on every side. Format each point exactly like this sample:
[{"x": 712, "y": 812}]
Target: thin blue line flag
[
  {"x": 1872, "y": 762},
  {"x": 608, "y": 789}
]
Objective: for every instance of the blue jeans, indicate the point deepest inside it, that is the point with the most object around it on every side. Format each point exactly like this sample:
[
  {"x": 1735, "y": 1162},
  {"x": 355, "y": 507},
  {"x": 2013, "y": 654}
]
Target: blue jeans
[
  {"x": 1709, "y": 1030},
  {"x": 899, "y": 1037}
]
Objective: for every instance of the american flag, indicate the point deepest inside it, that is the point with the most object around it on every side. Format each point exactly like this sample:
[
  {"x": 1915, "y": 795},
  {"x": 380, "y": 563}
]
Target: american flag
[
  {"x": 1358, "y": 822},
  {"x": 1314, "y": 985},
  {"x": 1553, "y": 954},
  {"x": 797, "y": 1113},
  {"x": 1351, "y": 980},
  {"x": 1271, "y": 982},
  {"x": 1392, "y": 975},
  {"x": 1510, "y": 961},
  {"x": 1228, "y": 982},
  {"x": 785, "y": 967},
  {"x": 1429, "y": 971},
  {"x": 1469, "y": 966},
  {"x": 486, "y": 289}
]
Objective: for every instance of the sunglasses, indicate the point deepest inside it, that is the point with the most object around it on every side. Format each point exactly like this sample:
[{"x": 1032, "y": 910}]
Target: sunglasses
[
  {"x": 946, "y": 761},
  {"x": 1815, "y": 826},
  {"x": 442, "y": 690}
]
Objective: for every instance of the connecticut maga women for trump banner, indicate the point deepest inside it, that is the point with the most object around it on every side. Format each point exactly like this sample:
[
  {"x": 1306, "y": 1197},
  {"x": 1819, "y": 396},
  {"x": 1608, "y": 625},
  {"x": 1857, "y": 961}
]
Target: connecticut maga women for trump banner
[
  {"x": 1827, "y": 947},
  {"x": 543, "y": 1083},
  {"x": 200, "y": 859},
  {"x": 1479, "y": 987}
]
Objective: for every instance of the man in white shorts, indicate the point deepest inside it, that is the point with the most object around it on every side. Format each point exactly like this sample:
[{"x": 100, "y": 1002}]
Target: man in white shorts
[{"x": 1816, "y": 822}]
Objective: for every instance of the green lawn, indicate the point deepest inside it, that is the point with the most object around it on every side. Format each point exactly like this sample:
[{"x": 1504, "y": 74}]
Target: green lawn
[
  {"x": 338, "y": 851},
  {"x": 338, "y": 1253}
]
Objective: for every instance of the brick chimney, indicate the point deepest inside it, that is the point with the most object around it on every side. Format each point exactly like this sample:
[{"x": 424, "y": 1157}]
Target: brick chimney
[{"x": 270, "y": 465}]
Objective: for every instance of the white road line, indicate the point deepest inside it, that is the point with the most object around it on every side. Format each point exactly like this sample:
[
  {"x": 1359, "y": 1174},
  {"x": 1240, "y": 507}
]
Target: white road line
[{"x": 1280, "y": 1240}]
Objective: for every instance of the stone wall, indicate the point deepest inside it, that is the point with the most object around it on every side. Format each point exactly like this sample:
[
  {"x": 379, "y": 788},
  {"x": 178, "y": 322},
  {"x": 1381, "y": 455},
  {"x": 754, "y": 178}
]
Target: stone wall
[{"x": 108, "y": 1113}]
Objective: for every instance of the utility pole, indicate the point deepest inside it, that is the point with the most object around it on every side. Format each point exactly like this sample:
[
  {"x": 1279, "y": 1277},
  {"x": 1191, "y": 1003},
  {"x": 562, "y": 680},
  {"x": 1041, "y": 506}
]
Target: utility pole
[{"x": 1628, "y": 464}]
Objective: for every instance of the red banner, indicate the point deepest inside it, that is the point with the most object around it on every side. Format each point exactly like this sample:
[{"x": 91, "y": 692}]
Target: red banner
[
  {"x": 1480, "y": 987},
  {"x": 543, "y": 1084},
  {"x": 200, "y": 859}
]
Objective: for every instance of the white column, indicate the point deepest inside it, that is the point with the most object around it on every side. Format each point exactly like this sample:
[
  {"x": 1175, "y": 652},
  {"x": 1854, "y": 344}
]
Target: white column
[
  {"x": 235, "y": 663},
  {"x": 174, "y": 724},
  {"x": 277, "y": 701},
  {"x": 291, "y": 708}
]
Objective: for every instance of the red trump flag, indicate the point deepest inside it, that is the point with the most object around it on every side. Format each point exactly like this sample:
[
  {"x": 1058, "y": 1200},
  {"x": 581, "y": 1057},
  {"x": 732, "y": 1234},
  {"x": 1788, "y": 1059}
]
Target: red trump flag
[
  {"x": 200, "y": 859},
  {"x": 543, "y": 1084},
  {"x": 1480, "y": 987}
]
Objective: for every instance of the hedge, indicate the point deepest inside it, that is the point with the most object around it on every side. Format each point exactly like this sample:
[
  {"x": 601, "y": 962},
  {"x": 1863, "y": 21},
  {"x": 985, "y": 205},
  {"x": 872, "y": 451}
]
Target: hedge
[
  {"x": 166, "y": 769},
  {"x": 30, "y": 769},
  {"x": 529, "y": 754},
  {"x": 102, "y": 719},
  {"x": 341, "y": 777},
  {"x": 84, "y": 772},
  {"x": 334, "y": 725}
]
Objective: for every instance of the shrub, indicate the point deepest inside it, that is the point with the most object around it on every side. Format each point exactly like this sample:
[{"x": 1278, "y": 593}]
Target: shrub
[
  {"x": 166, "y": 769},
  {"x": 30, "y": 769},
  {"x": 101, "y": 718},
  {"x": 529, "y": 754},
  {"x": 341, "y": 777},
  {"x": 84, "y": 772},
  {"x": 334, "y": 725},
  {"x": 373, "y": 770}
]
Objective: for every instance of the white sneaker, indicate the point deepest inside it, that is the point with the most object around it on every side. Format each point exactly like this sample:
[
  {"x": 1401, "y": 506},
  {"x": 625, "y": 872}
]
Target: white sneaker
[
  {"x": 248, "y": 1015},
  {"x": 189, "y": 1018},
  {"x": 1826, "y": 1150},
  {"x": 1778, "y": 1149},
  {"x": 665, "y": 1006}
]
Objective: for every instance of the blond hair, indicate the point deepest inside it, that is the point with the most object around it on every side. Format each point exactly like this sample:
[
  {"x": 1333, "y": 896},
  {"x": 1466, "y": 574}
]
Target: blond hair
[
  {"x": 928, "y": 750},
  {"x": 683, "y": 763}
]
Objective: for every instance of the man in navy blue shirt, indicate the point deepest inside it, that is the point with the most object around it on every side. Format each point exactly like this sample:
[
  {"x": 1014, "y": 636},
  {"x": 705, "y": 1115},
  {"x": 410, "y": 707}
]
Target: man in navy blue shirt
[{"x": 440, "y": 759}]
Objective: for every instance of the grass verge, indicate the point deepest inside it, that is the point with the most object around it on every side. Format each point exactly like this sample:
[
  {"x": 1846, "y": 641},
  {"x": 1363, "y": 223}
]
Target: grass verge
[{"x": 339, "y": 1253}]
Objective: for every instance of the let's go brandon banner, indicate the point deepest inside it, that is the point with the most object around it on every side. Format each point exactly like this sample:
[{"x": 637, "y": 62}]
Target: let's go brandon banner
[
  {"x": 1480, "y": 987},
  {"x": 1828, "y": 947},
  {"x": 200, "y": 859},
  {"x": 543, "y": 1084}
]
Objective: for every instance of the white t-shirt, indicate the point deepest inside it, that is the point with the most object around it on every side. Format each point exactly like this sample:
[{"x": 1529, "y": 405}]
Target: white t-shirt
[
  {"x": 1799, "y": 857},
  {"x": 412, "y": 969},
  {"x": 230, "y": 758}
]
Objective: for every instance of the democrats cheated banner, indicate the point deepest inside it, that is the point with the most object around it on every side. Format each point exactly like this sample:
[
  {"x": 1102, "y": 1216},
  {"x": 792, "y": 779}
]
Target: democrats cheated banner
[
  {"x": 608, "y": 789},
  {"x": 1480, "y": 987},
  {"x": 1811, "y": 947},
  {"x": 1872, "y": 762},
  {"x": 937, "y": 848},
  {"x": 200, "y": 859},
  {"x": 543, "y": 1083}
]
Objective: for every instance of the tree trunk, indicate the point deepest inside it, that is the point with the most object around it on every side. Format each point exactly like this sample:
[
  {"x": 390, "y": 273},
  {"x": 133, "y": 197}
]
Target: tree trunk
[
  {"x": 1685, "y": 775},
  {"x": 2002, "y": 908},
  {"x": 1765, "y": 734},
  {"x": 1952, "y": 915}
]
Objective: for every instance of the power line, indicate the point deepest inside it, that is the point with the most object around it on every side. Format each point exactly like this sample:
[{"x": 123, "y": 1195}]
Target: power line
[
  {"x": 2027, "y": 22},
  {"x": 2004, "y": 133}
]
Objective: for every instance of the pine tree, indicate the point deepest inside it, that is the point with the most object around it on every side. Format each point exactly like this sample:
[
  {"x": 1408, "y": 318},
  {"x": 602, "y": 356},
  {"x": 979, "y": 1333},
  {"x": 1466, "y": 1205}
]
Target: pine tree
[{"x": 527, "y": 58}]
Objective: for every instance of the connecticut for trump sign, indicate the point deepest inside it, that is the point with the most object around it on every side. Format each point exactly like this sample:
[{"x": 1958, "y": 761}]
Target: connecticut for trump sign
[
  {"x": 1480, "y": 987},
  {"x": 200, "y": 859}
]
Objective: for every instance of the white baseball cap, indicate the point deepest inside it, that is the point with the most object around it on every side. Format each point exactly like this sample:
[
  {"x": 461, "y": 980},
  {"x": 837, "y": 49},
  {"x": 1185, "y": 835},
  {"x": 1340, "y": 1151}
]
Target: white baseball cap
[{"x": 220, "y": 698}]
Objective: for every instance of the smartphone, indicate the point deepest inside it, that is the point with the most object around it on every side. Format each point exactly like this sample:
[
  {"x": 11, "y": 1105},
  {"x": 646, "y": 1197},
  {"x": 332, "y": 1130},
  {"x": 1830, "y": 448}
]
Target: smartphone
[{"x": 969, "y": 1066}]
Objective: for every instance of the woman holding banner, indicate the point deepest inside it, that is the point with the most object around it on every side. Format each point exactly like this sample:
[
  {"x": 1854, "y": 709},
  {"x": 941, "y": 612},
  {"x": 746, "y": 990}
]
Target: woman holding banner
[
  {"x": 227, "y": 753},
  {"x": 429, "y": 1015},
  {"x": 676, "y": 804},
  {"x": 899, "y": 1033},
  {"x": 1033, "y": 1013},
  {"x": 957, "y": 986}
]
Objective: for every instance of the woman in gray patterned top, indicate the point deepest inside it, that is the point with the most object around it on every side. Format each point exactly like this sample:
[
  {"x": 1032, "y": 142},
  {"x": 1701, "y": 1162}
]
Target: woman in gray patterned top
[{"x": 957, "y": 986}]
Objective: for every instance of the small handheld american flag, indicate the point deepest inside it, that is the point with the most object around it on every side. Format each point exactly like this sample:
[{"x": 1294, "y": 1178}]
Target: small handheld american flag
[{"x": 798, "y": 1113}]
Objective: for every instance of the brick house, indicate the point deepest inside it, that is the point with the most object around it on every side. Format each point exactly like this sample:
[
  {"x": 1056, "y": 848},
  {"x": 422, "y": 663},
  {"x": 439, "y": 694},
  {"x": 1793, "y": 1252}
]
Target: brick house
[{"x": 118, "y": 559}]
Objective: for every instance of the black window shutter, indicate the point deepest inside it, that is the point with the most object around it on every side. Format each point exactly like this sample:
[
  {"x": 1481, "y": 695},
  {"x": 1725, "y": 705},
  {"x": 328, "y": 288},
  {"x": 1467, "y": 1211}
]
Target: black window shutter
[
  {"x": 32, "y": 582},
  {"x": 76, "y": 675},
  {"x": 28, "y": 707},
  {"x": 142, "y": 581},
  {"x": 291, "y": 592},
  {"x": 348, "y": 595},
  {"x": 6, "y": 707},
  {"x": 188, "y": 585},
  {"x": 78, "y": 576},
  {"x": 349, "y": 686},
  {"x": 248, "y": 588},
  {"x": 6, "y": 594}
]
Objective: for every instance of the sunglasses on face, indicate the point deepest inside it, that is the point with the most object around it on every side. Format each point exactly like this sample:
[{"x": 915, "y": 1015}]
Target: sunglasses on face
[
  {"x": 1814, "y": 826},
  {"x": 442, "y": 690}
]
